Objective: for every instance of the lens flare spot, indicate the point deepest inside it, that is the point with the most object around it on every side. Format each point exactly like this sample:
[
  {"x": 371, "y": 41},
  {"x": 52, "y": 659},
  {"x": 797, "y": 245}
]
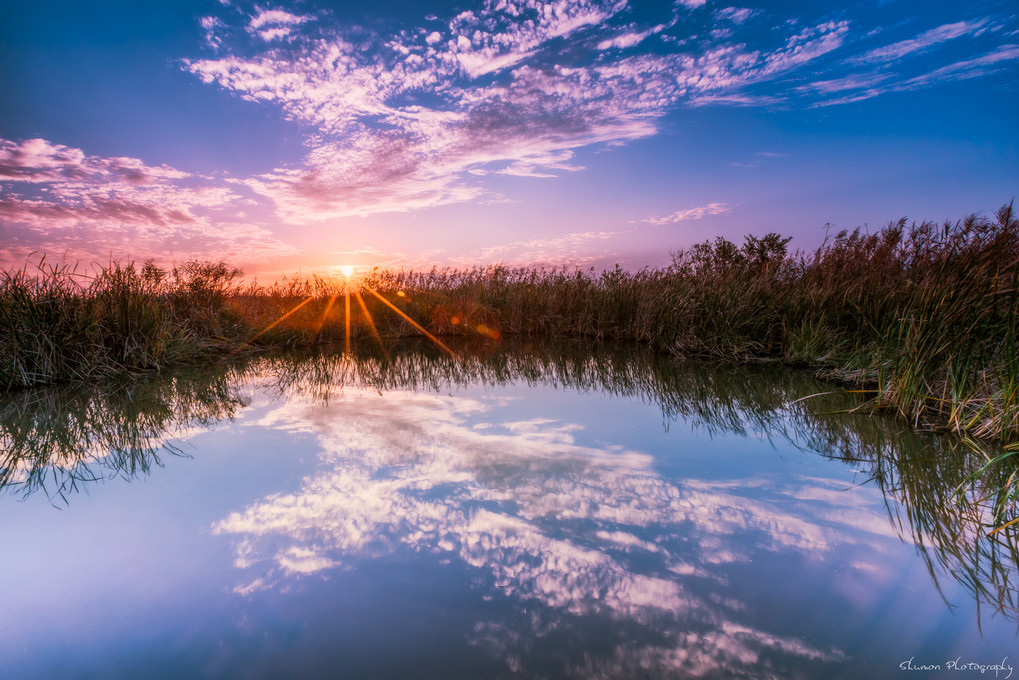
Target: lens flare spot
[
  {"x": 400, "y": 293},
  {"x": 488, "y": 331},
  {"x": 455, "y": 320}
]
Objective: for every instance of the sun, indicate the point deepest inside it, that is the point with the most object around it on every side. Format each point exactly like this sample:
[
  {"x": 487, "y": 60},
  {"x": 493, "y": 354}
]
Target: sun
[{"x": 347, "y": 270}]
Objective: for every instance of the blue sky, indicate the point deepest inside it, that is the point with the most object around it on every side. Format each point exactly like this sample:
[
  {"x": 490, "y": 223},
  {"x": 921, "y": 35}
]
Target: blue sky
[{"x": 308, "y": 135}]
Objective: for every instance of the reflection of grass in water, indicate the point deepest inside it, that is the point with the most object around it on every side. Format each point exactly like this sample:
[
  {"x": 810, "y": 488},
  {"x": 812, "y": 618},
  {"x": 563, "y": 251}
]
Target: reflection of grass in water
[
  {"x": 57, "y": 439},
  {"x": 932, "y": 492},
  {"x": 926, "y": 315},
  {"x": 940, "y": 491}
]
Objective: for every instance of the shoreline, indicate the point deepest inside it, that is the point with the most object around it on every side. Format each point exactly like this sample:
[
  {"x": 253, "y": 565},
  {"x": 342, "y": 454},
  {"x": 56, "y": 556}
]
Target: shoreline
[{"x": 924, "y": 315}]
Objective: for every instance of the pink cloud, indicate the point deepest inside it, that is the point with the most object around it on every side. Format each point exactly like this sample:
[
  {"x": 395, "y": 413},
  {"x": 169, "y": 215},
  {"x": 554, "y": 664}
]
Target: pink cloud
[
  {"x": 691, "y": 214},
  {"x": 926, "y": 39},
  {"x": 413, "y": 120},
  {"x": 868, "y": 86},
  {"x": 736, "y": 15},
  {"x": 38, "y": 161},
  {"x": 56, "y": 198},
  {"x": 574, "y": 248}
]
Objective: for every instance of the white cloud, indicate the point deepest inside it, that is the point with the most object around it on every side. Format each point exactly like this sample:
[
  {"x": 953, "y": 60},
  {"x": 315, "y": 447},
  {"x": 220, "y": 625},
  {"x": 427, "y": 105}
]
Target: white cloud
[
  {"x": 850, "y": 82},
  {"x": 923, "y": 41},
  {"x": 736, "y": 15},
  {"x": 429, "y": 115},
  {"x": 420, "y": 118},
  {"x": 624, "y": 41},
  {"x": 524, "y": 505},
  {"x": 868, "y": 86},
  {"x": 575, "y": 248},
  {"x": 276, "y": 17},
  {"x": 1003, "y": 57},
  {"x": 691, "y": 214},
  {"x": 412, "y": 120},
  {"x": 58, "y": 198}
]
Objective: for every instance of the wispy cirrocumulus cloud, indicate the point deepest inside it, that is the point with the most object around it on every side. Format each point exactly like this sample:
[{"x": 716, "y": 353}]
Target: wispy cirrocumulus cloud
[
  {"x": 925, "y": 40},
  {"x": 520, "y": 501},
  {"x": 273, "y": 24},
  {"x": 691, "y": 214},
  {"x": 573, "y": 248},
  {"x": 36, "y": 161},
  {"x": 420, "y": 117},
  {"x": 736, "y": 15},
  {"x": 403, "y": 113},
  {"x": 56, "y": 197},
  {"x": 885, "y": 71},
  {"x": 400, "y": 122}
]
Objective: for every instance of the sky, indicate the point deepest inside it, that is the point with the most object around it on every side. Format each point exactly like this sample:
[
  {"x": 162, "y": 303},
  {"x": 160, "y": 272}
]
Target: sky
[{"x": 308, "y": 135}]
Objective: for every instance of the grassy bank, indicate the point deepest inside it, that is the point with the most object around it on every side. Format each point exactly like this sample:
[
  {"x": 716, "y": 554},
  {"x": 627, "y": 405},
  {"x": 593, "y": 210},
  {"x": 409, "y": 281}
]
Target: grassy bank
[{"x": 925, "y": 315}]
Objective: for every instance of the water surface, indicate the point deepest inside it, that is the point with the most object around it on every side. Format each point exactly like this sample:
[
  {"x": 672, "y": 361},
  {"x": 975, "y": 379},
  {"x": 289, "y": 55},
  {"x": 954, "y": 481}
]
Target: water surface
[{"x": 535, "y": 511}]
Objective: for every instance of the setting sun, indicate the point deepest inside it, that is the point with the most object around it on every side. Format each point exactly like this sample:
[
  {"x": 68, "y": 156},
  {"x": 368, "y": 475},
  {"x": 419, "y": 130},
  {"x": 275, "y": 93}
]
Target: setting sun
[{"x": 347, "y": 270}]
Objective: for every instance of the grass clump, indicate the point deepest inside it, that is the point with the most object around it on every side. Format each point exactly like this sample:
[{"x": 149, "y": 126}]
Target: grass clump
[
  {"x": 924, "y": 315},
  {"x": 57, "y": 325}
]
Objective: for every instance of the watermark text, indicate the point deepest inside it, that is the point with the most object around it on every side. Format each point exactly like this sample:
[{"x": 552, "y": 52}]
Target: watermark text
[{"x": 1002, "y": 670}]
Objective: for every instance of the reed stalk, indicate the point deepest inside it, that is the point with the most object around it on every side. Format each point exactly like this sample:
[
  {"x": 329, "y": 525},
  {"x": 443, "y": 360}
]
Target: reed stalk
[{"x": 923, "y": 315}]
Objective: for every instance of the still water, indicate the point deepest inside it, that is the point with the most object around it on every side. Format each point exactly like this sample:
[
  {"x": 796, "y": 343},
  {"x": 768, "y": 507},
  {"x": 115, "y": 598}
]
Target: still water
[{"x": 530, "y": 511}]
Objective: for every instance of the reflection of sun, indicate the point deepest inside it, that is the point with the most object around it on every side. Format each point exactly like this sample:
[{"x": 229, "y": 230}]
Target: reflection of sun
[{"x": 347, "y": 270}]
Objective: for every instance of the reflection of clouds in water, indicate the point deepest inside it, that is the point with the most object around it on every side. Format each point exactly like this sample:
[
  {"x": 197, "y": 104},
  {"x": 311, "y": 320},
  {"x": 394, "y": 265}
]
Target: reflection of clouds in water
[
  {"x": 540, "y": 516},
  {"x": 731, "y": 650}
]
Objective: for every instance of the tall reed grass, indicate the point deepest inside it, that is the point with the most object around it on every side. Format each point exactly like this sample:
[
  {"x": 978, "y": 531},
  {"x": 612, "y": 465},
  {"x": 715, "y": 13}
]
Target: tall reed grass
[
  {"x": 924, "y": 315},
  {"x": 59, "y": 325}
]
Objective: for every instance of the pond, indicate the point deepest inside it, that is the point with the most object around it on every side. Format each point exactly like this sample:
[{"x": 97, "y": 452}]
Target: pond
[{"x": 533, "y": 510}]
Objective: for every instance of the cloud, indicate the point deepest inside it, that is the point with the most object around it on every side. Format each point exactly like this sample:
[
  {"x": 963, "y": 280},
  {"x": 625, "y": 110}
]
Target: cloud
[
  {"x": 523, "y": 504},
  {"x": 442, "y": 111},
  {"x": 850, "y": 82},
  {"x": 736, "y": 15},
  {"x": 38, "y": 161},
  {"x": 57, "y": 198},
  {"x": 862, "y": 87},
  {"x": 414, "y": 119},
  {"x": 691, "y": 214},
  {"x": 925, "y": 40},
  {"x": 1003, "y": 57},
  {"x": 426, "y": 116},
  {"x": 889, "y": 69},
  {"x": 574, "y": 248}
]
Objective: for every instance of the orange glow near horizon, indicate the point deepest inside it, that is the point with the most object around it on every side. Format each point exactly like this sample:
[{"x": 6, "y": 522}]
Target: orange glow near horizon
[
  {"x": 411, "y": 321},
  {"x": 371, "y": 324},
  {"x": 346, "y": 300},
  {"x": 325, "y": 314},
  {"x": 354, "y": 288},
  {"x": 279, "y": 320}
]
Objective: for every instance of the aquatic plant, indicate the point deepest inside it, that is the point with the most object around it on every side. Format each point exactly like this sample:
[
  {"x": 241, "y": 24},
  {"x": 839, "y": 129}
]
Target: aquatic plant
[
  {"x": 923, "y": 315},
  {"x": 58, "y": 325}
]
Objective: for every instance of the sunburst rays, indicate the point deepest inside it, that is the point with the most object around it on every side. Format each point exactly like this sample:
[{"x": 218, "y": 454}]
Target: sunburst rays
[
  {"x": 347, "y": 288},
  {"x": 412, "y": 322}
]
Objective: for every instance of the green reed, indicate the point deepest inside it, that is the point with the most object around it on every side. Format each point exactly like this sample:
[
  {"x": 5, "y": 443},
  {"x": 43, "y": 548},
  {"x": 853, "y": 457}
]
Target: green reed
[
  {"x": 922, "y": 315},
  {"x": 57, "y": 324}
]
